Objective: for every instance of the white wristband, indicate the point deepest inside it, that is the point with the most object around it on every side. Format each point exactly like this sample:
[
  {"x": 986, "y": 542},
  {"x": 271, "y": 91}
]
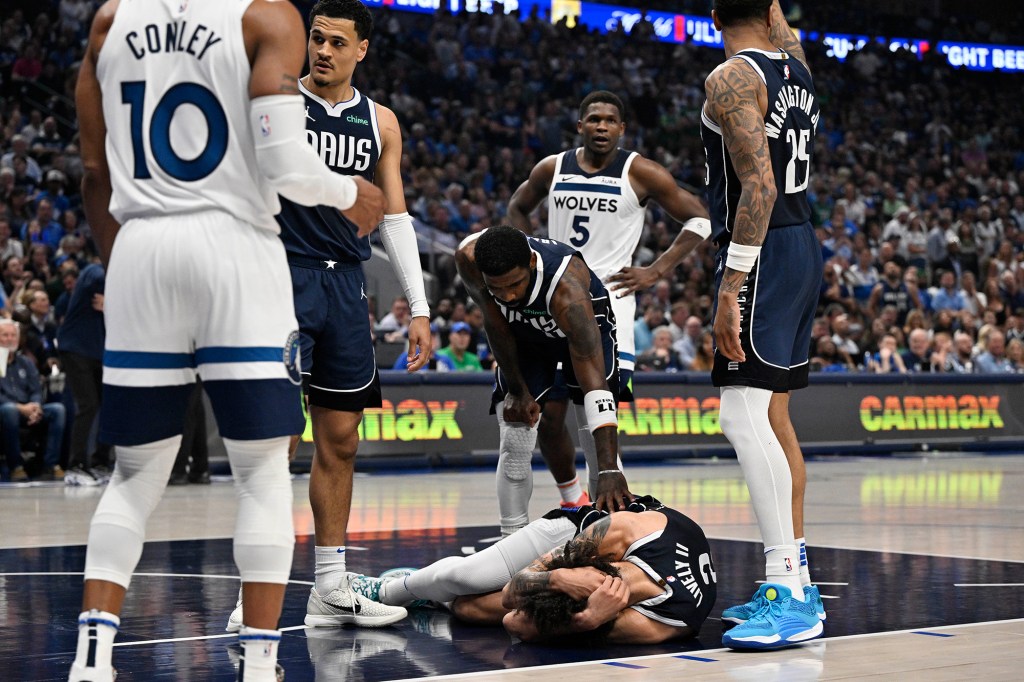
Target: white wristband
[
  {"x": 600, "y": 407},
  {"x": 742, "y": 257},
  {"x": 699, "y": 226}
]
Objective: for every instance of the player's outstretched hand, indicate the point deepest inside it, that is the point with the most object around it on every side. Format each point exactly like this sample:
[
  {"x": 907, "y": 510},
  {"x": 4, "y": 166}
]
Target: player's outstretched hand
[
  {"x": 631, "y": 280},
  {"x": 727, "y": 329},
  {"x": 521, "y": 410},
  {"x": 368, "y": 211},
  {"x": 420, "y": 343},
  {"x": 612, "y": 492}
]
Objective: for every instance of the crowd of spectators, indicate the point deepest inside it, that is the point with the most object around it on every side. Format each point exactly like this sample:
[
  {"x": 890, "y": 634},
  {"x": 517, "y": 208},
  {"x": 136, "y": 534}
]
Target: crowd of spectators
[{"x": 916, "y": 190}]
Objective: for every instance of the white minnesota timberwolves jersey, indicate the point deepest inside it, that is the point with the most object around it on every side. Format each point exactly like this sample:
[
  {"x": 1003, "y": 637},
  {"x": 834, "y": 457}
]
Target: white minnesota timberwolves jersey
[
  {"x": 175, "y": 81},
  {"x": 598, "y": 213}
]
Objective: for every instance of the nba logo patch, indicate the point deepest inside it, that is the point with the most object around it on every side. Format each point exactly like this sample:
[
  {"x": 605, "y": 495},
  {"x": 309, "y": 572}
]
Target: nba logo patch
[
  {"x": 265, "y": 125},
  {"x": 789, "y": 565},
  {"x": 785, "y": 71}
]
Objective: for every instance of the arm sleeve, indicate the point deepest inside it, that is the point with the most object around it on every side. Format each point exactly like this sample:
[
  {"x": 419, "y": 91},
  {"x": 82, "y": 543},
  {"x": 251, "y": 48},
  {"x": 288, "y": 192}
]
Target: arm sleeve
[
  {"x": 289, "y": 164},
  {"x": 399, "y": 239}
]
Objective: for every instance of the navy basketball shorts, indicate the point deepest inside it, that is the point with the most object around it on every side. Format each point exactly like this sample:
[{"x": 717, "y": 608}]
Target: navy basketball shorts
[
  {"x": 207, "y": 295},
  {"x": 339, "y": 371},
  {"x": 777, "y": 305},
  {"x": 547, "y": 370}
]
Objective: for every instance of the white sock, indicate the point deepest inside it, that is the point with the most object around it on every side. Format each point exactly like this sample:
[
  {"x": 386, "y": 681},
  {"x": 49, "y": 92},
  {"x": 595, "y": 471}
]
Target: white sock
[
  {"x": 571, "y": 490},
  {"x": 805, "y": 569},
  {"x": 259, "y": 654},
  {"x": 330, "y": 568},
  {"x": 781, "y": 567},
  {"x": 96, "y": 632}
]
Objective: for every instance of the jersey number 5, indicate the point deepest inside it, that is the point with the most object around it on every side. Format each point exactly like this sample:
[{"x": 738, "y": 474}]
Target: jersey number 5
[
  {"x": 800, "y": 162},
  {"x": 579, "y": 227},
  {"x": 133, "y": 93}
]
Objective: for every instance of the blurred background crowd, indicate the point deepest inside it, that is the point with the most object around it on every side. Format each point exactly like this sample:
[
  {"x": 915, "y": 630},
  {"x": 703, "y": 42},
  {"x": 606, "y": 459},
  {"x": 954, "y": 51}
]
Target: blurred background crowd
[{"x": 916, "y": 190}]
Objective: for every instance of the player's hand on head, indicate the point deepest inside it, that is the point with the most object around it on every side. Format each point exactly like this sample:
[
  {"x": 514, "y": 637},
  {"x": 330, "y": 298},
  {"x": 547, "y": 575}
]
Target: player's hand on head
[
  {"x": 368, "y": 211},
  {"x": 578, "y": 583},
  {"x": 612, "y": 492},
  {"x": 521, "y": 410},
  {"x": 605, "y": 603},
  {"x": 420, "y": 343},
  {"x": 727, "y": 329},
  {"x": 631, "y": 280}
]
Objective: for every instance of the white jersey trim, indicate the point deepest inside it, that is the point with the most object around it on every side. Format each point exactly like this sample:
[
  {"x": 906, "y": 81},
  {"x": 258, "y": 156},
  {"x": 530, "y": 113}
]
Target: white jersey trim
[
  {"x": 333, "y": 110},
  {"x": 375, "y": 126},
  {"x": 555, "y": 279},
  {"x": 709, "y": 123},
  {"x": 753, "y": 65},
  {"x": 539, "y": 281}
]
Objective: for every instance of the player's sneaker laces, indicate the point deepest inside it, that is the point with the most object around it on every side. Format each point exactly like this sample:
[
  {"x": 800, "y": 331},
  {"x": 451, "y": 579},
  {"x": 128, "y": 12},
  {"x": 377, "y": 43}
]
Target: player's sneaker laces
[
  {"x": 781, "y": 621},
  {"x": 583, "y": 501},
  {"x": 812, "y": 595},
  {"x": 345, "y": 605},
  {"x": 742, "y": 612},
  {"x": 235, "y": 619}
]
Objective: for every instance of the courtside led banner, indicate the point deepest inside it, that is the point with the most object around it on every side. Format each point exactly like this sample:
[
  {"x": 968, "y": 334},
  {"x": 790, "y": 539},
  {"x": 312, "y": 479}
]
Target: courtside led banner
[
  {"x": 677, "y": 415},
  {"x": 670, "y": 27}
]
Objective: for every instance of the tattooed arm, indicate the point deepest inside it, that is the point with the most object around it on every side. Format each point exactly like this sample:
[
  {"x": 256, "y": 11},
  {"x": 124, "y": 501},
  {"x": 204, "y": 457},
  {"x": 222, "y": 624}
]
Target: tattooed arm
[
  {"x": 737, "y": 101},
  {"x": 782, "y": 35},
  {"x": 520, "y": 407},
  {"x": 572, "y": 310}
]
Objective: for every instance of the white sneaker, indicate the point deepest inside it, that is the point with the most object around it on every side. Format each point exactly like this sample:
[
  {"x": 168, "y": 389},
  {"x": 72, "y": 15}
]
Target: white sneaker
[
  {"x": 79, "y": 475},
  {"x": 343, "y": 605},
  {"x": 331, "y": 651},
  {"x": 235, "y": 619}
]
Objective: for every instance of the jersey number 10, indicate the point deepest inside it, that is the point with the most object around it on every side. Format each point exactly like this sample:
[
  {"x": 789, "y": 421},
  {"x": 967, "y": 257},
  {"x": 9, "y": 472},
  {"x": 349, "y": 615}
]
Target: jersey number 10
[{"x": 133, "y": 93}]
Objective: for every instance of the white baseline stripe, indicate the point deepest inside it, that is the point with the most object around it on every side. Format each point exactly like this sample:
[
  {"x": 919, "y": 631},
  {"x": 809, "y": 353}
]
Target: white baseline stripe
[{"x": 988, "y": 584}]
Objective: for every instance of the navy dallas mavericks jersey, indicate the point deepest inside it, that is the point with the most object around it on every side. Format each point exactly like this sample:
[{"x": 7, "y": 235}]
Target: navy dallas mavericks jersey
[
  {"x": 540, "y": 344},
  {"x": 533, "y": 322},
  {"x": 347, "y": 139},
  {"x": 790, "y": 124}
]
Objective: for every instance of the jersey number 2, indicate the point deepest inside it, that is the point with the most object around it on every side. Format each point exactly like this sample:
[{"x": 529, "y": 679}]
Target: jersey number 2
[
  {"x": 133, "y": 93},
  {"x": 800, "y": 160},
  {"x": 581, "y": 234}
]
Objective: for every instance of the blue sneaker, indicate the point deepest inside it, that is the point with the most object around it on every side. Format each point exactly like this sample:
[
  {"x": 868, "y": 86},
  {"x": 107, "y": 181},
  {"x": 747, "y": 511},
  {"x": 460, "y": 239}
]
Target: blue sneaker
[
  {"x": 782, "y": 621},
  {"x": 741, "y": 613},
  {"x": 812, "y": 595}
]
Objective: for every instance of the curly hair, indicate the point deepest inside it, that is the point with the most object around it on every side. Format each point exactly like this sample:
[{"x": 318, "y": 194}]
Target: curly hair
[
  {"x": 552, "y": 612},
  {"x": 500, "y": 249},
  {"x": 738, "y": 11}
]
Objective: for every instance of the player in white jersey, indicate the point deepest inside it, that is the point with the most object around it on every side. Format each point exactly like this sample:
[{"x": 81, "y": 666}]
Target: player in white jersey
[
  {"x": 191, "y": 124},
  {"x": 596, "y": 201}
]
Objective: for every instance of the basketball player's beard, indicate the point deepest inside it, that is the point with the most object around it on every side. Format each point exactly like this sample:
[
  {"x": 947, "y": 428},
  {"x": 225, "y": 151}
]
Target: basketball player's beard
[{"x": 320, "y": 82}]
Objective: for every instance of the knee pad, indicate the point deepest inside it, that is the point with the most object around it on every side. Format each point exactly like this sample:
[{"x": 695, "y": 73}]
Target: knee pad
[
  {"x": 264, "y": 535},
  {"x": 118, "y": 527},
  {"x": 515, "y": 453}
]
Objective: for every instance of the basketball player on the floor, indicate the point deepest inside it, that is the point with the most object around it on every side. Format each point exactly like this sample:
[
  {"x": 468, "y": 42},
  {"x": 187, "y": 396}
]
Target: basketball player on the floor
[
  {"x": 353, "y": 136},
  {"x": 597, "y": 197},
  {"x": 543, "y": 306},
  {"x": 635, "y": 578},
  {"x": 758, "y": 126},
  {"x": 198, "y": 281}
]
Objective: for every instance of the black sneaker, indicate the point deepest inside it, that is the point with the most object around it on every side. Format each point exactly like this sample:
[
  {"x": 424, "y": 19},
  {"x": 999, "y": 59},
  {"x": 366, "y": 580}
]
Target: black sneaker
[{"x": 200, "y": 478}]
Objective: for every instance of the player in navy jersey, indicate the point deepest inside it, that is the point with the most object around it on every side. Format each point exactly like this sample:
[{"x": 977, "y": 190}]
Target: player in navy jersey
[
  {"x": 758, "y": 126},
  {"x": 353, "y": 136},
  {"x": 542, "y": 306},
  {"x": 597, "y": 197}
]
